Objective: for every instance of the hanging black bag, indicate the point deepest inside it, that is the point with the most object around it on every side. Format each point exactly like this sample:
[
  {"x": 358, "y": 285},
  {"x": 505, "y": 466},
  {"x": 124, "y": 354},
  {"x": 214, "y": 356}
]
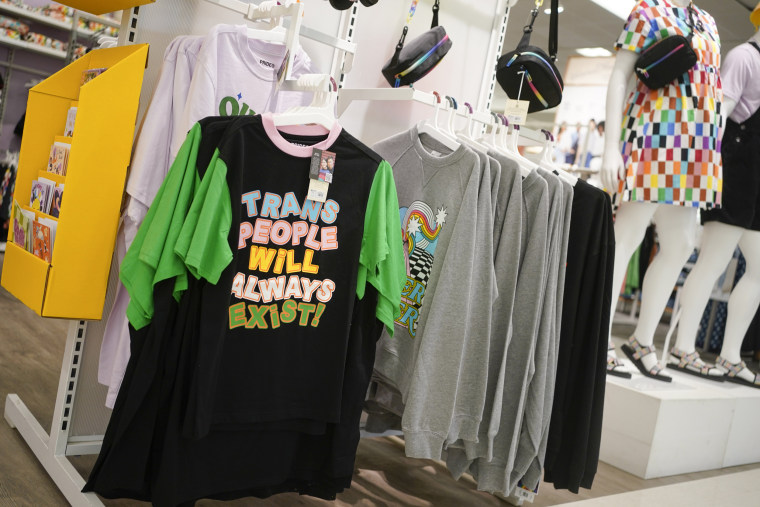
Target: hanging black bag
[
  {"x": 414, "y": 61},
  {"x": 667, "y": 59},
  {"x": 528, "y": 73}
]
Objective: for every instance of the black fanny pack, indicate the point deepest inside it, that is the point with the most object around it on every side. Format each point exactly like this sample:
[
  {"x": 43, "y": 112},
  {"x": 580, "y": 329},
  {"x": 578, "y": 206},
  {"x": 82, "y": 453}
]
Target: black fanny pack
[
  {"x": 666, "y": 60},
  {"x": 528, "y": 73},
  {"x": 414, "y": 61}
]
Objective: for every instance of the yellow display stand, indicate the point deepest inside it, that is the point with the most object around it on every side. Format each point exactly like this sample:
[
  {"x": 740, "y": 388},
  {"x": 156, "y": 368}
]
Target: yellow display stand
[
  {"x": 73, "y": 285},
  {"x": 104, "y": 6}
]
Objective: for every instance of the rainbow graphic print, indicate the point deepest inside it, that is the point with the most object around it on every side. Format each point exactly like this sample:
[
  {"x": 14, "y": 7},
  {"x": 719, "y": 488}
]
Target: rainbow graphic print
[{"x": 420, "y": 228}]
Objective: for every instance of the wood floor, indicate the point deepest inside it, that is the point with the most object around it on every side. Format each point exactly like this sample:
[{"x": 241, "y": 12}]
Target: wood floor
[{"x": 30, "y": 360}]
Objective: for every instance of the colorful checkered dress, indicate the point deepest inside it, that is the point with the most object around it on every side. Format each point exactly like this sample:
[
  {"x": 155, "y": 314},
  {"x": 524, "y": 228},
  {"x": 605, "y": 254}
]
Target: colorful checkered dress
[{"x": 671, "y": 136}]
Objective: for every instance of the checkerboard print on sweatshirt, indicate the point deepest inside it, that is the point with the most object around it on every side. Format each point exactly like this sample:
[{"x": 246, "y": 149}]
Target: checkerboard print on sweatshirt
[{"x": 671, "y": 136}]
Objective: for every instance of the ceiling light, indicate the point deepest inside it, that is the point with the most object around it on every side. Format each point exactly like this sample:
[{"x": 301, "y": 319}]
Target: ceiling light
[
  {"x": 549, "y": 11},
  {"x": 620, "y": 8},
  {"x": 593, "y": 52}
]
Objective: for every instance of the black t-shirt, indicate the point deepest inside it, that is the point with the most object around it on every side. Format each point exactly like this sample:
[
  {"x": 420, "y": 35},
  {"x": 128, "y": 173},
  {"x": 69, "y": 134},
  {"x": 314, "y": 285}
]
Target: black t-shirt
[
  {"x": 160, "y": 444},
  {"x": 291, "y": 283}
]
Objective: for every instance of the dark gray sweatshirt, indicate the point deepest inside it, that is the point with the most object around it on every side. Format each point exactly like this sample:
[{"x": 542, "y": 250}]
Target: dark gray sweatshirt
[
  {"x": 507, "y": 235},
  {"x": 515, "y": 370}
]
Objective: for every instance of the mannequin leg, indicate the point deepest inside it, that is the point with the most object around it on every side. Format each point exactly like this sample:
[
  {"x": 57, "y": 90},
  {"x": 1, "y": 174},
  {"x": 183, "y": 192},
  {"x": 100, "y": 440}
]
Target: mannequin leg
[
  {"x": 631, "y": 223},
  {"x": 675, "y": 228},
  {"x": 718, "y": 244},
  {"x": 744, "y": 301}
]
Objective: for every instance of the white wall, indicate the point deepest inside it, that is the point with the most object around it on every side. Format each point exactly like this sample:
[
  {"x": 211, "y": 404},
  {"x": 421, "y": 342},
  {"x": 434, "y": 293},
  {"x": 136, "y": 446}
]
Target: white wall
[{"x": 460, "y": 74}]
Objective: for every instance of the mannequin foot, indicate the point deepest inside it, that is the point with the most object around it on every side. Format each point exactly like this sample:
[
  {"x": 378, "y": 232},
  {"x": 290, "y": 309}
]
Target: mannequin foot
[
  {"x": 614, "y": 365},
  {"x": 645, "y": 359},
  {"x": 738, "y": 373},
  {"x": 692, "y": 364}
]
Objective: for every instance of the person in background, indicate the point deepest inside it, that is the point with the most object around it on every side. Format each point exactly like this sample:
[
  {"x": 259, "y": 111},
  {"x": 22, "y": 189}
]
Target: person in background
[
  {"x": 575, "y": 138},
  {"x": 591, "y": 138},
  {"x": 564, "y": 144},
  {"x": 596, "y": 144}
]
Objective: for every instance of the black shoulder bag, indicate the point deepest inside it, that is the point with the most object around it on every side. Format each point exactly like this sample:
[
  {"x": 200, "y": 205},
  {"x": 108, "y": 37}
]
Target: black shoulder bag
[
  {"x": 666, "y": 60},
  {"x": 528, "y": 73},
  {"x": 414, "y": 61}
]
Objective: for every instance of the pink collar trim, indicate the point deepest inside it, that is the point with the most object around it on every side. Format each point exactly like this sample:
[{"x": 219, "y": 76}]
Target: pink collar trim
[{"x": 304, "y": 130}]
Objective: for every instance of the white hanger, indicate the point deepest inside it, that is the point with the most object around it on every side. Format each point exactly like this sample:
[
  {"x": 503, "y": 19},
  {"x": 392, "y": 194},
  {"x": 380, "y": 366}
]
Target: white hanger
[
  {"x": 548, "y": 163},
  {"x": 491, "y": 140},
  {"x": 466, "y": 133},
  {"x": 321, "y": 111},
  {"x": 507, "y": 146},
  {"x": 452, "y": 112},
  {"x": 268, "y": 16},
  {"x": 434, "y": 131}
]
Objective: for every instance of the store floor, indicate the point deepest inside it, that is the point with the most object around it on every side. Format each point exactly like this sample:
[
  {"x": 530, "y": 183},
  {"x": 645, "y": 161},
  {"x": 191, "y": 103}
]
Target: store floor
[{"x": 30, "y": 359}]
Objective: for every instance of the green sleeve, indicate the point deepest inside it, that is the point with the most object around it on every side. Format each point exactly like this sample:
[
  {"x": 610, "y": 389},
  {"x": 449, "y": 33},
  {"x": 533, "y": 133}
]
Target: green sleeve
[
  {"x": 381, "y": 261},
  {"x": 139, "y": 268},
  {"x": 202, "y": 243}
]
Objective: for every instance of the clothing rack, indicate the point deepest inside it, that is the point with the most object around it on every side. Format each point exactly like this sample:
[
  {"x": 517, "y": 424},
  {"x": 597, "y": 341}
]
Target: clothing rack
[{"x": 77, "y": 402}]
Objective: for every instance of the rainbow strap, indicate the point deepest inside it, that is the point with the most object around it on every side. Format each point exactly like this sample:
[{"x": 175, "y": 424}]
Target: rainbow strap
[
  {"x": 653, "y": 64},
  {"x": 420, "y": 60}
]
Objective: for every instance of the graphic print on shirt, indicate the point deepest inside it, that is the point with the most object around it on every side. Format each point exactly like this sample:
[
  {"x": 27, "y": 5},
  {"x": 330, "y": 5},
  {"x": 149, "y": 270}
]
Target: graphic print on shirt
[
  {"x": 282, "y": 286},
  {"x": 234, "y": 106},
  {"x": 420, "y": 228}
]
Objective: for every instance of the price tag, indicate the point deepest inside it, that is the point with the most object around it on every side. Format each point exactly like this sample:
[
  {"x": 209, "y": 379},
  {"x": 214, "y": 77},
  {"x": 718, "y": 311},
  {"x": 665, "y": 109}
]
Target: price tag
[
  {"x": 317, "y": 190},
  {"x": 526, "y": 494},
  {"x": 321, "y": 174},
  {"x": 283, "y": 70},
  {"x": 516, "y": 111}
]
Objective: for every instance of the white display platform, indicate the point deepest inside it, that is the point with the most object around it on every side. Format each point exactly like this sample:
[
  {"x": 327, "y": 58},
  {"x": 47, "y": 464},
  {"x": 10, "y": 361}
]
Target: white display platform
[{"x": 655, "y": 429}]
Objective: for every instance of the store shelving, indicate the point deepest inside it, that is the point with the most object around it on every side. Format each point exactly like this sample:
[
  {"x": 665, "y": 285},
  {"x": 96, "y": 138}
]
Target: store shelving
[
  {"x": 20, "y": 12},
  {"x": 31, "y": 46}
]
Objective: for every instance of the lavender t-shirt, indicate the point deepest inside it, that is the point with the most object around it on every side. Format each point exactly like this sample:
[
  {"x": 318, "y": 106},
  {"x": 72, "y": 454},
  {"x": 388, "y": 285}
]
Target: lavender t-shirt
[{"x": 740, "y": 74}]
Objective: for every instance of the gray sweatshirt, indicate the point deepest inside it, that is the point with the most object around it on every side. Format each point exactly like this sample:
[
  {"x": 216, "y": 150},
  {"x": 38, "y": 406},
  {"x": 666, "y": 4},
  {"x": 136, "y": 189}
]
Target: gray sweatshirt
[
  {"x": 432, "y": 188},
  {"x": 444, "y": 401},
  {"x": 470, "y": 395},
  {"x": 531, "y": 431},
  {"x": 515, "y": 370},
  {"x": 533, "y": 474},
  {"x": 507, "y": 234}
]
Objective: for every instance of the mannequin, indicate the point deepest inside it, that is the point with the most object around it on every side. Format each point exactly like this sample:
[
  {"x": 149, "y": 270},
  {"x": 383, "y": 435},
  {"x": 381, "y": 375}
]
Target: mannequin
[
  {"x": 676, "y": 219},
  {"x": 726, "y": 228}
]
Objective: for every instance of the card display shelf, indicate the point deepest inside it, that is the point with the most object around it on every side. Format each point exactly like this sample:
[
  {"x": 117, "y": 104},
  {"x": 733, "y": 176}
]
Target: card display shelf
[
  {"x": 31, "y": 46},
  {"x": 73, "y": 284}
]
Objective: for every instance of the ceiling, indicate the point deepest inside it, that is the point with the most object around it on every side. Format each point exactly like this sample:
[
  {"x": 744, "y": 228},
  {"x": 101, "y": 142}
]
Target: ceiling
[{"x": 584, "y": 24}]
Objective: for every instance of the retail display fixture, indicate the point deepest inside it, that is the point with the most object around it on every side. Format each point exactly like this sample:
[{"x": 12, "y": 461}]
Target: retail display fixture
[
  {"x": 73, "y": 284},
  {"x": 79, "y": 418}
]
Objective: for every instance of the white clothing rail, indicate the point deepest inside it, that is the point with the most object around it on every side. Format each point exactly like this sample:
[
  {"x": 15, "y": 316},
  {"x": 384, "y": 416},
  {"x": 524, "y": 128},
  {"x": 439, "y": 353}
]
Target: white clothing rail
[{"x": 528, "y": 137}]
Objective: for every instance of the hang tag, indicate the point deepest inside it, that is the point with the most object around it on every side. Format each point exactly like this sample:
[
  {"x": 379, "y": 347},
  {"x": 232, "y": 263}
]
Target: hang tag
[
  {"x": 283, "y": 70},
  {"x": 516, "y": 111},
  {"x": 525, "y": 493},
  {"x": 321, "y": 172}
]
